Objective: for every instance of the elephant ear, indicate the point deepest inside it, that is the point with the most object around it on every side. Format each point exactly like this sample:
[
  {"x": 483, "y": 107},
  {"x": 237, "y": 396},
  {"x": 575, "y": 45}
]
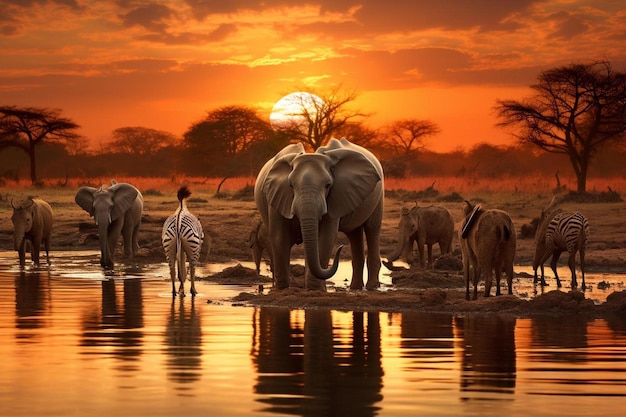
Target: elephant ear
[
  {"x": 276, "y": 186},
  {"x": 84, "y": 198},
  {"x": 355, "y": 179},
  {"x": 123, "y": 197}
]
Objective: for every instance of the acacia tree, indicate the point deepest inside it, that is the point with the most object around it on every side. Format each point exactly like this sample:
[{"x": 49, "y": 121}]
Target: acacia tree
[
  {"x": 406, "y": 136},
  {"x": 141, "y": 141},
  {"x": 575, "y": 110},
  {"x": 223, "y": 134},
  {"x": 27, "y": 127},
  {"x": 316, "y": 117}
]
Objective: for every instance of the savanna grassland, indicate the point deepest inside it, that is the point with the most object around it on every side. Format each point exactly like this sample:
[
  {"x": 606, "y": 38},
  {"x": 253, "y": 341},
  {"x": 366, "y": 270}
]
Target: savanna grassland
[{"x": 229, "y": 216}]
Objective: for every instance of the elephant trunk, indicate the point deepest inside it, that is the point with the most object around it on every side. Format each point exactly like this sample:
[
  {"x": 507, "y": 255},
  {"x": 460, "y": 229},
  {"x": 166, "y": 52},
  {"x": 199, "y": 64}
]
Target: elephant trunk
[
  {"x": 400, "y": 249},
  {"x": 106, "y": 260},
  {"x": 309, "y": 227},
  {"x": 18, "y": 238}
]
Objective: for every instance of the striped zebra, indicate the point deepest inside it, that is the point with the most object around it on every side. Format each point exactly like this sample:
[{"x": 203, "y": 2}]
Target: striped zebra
[
  {"x": 561, "y": 231},
  {"x": 182, "y": 238}
]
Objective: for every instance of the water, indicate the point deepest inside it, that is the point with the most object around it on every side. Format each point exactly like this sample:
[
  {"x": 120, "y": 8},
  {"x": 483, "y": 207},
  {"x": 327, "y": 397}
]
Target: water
[{"x": 77, "y": 343}]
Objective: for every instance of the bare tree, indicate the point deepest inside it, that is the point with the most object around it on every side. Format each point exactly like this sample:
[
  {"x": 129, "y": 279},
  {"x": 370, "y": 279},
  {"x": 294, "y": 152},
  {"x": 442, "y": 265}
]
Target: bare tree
[
  {"x": 407, "y": 136},
  {"x": 575, "y": 110},
  {"x": 318, "y": 117},
  {"x": 26, "y": 127},
  {"x": 141, "y": 140}
]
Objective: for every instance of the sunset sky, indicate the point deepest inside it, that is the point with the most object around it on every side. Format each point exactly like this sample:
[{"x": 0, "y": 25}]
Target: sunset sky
[{"x": 164, "y": 64}]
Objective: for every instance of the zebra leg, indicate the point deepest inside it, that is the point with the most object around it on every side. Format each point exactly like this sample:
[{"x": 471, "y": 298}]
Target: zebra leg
[
  {"x": 555, "y": 259},
  {"x": 192, "y": 276},
  {"x": 182, "y": 273},
  {"x": 572, "y": 267},
  {"x": 582, "y": 266},
  {"x": 172, "y": 263}
]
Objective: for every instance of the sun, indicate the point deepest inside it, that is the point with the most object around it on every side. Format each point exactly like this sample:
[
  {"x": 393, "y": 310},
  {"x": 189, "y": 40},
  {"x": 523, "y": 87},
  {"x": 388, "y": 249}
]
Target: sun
[{"x": 294, "y": 110}]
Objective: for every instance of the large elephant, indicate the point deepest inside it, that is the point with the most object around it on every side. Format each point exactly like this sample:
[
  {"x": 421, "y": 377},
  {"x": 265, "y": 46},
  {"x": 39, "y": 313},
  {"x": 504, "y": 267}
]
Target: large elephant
[
  {"x": 309, "y": 197},
  {"x": 116, "y": 210},
  {"x": 488, "y": 244},
  {"x": 426, "y": 226},
  {"x": 32, "y": 221}
]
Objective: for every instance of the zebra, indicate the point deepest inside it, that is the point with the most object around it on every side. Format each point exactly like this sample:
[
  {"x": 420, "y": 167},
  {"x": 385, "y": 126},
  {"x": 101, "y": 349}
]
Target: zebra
[
  {"x": 182, "y": 237},
  {"x": 565, "y": 231}
]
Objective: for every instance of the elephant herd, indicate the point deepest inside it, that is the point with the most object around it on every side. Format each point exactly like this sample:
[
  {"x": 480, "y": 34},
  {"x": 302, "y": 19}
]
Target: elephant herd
[{"x": 308, "y": 198}]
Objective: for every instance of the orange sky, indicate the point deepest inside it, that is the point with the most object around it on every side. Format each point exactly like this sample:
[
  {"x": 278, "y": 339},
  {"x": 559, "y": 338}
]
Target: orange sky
[{"x": 163, "y": 64}]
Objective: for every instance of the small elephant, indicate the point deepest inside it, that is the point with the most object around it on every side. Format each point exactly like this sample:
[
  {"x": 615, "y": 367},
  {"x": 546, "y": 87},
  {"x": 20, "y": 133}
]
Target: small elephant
[
  {"x": 116, "y": 210},
  {"x": 426, "y": 226},
  {"x": 32, "y": 221},
  {"x": 312, "y": 196},
  {"x": 259, "y": 242},
  {"x": 488, "y": 244}
]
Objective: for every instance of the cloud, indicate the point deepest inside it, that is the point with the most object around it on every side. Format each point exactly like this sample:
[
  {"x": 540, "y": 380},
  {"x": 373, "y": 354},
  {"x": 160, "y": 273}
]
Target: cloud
[
  {"x": 568, "y": 25},
  {"x": 151, "y": 16},
  {"x": 221, "y": 33}
]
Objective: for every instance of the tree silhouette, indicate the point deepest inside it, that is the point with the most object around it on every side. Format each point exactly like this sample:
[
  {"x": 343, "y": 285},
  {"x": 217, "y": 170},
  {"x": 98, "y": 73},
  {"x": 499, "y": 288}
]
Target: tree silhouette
[
  {"x": 406, "y": 136},
  {"x": 141, "y": 140},
  {"x": 224, "y": 134},
  {"x": 27, "y": 127},
  {"x": 575, "y": 110},
  {"x": 316, "y": 118}
]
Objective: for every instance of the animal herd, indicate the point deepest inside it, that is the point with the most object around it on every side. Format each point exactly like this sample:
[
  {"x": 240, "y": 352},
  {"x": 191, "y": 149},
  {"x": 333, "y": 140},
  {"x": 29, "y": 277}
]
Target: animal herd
[{"x": 308, "y": 198}]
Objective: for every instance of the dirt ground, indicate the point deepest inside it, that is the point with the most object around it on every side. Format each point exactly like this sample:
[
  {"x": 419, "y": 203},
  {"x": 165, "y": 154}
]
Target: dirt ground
[{"x": 227, "y": 221}]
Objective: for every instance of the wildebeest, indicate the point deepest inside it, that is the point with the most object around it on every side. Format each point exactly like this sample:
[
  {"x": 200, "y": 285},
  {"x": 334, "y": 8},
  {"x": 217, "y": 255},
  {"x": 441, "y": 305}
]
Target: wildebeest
[
  {"x": 488, "y": 244},
  {"x": 32, "y": 221}
]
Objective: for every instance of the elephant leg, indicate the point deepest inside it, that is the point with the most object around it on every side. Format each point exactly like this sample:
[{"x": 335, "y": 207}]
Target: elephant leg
[
  {"x": 115, "y": 229},
  {"x": 430, "y": 254},
  {"x": 280, "y": 241},
  {"x": 256, "y": 254},
  {"x": 135, "y": 241},
  {"x": 420, "y": 251},
  {"x": 47, "y": 247},
  {"x": 127, "y": 235},
  {"x": 35, "y": 251},
  {"x": 372, "y": 236},
  {"x": 358, "y": 258},
  {"x": 21, "y": 252}
]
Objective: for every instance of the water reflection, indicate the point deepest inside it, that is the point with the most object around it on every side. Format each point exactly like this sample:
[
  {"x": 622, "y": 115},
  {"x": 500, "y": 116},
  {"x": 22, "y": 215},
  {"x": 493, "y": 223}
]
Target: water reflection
[
  {"x": 30, "y": 303},
  {"x": 566, "y": 345},
  {"x": 183, "y": 343},
  {"x": 121, "y": 345},
  {"x": 114, "y": 330},
  {"x": 488, "y": 353},
  {"x": 314, "y": 368}
]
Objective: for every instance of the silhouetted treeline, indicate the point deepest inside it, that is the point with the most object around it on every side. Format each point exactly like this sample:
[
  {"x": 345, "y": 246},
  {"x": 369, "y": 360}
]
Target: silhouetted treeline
[{"x": 482, "y": 161}]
